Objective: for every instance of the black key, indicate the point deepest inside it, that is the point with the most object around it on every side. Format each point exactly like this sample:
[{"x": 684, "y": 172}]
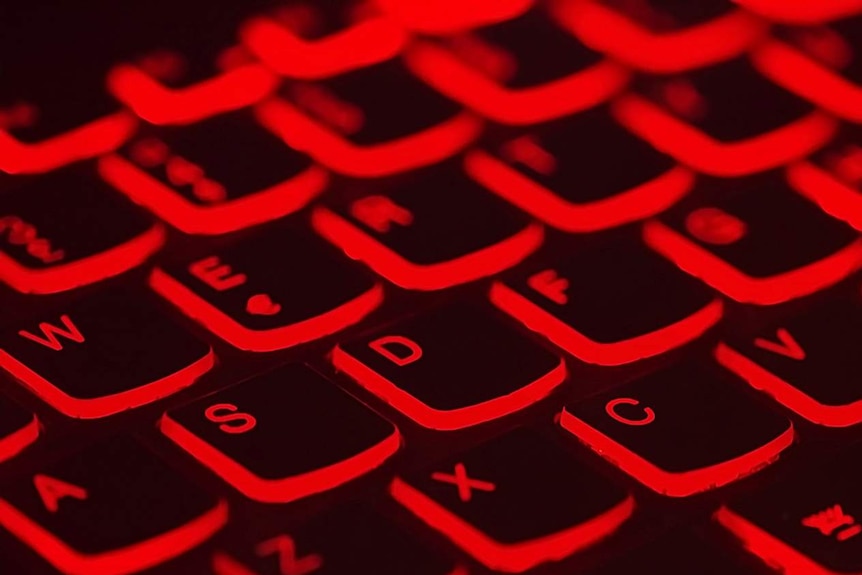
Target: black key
[
  {"x": 68, "y": 228},
  {"x": 681, "y": 430},
  {"x": 369, "y": 122},
  {"x": 216, "y": 176},
  {"x": 663, "y": 36},
  {"x": 821, "y": 64},
  {"x": 725, "y": 120},
  {"x": 102, "y": 355},
  {"x": 515, "y": 502},
  {"x": 437, "y": 230},
  {"x": 111, "y": 509},
  {"x": 630, "y": 305},
  {"x": 809, "y": 363},
  {"x": 259, "y": 298},
  {"x": 453, "y": 367},
  {"x": 348, "y": 540},
  {"x": 806, "y": 523},
  {"x": 514, "y": 72},
  {"x": 760, "y": 243},
  {"x": 18, "y": 428},
  {"x": 247, "y": 435},
  {"x": 570, "y": 179}
]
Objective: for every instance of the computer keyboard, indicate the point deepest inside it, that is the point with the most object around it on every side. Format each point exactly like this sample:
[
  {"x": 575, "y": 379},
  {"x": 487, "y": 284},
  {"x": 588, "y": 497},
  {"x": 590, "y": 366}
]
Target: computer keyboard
[{"x": 462, "y": 287}]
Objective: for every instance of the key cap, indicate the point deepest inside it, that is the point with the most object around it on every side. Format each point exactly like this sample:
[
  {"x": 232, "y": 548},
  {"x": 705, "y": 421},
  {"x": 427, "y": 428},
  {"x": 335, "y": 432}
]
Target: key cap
[
  {"x": 452, "y": 16},
  {"x": 451, "y": 368},
  {"x": 246, "y": 434},
  {"x": 630, "y": 306},
  {"x": 802, "y": 11},
  {"x": 18, "y": 428},
  {"x": 440, "y": 230},
  {"x": 805, "y": 524},
  {"x": 112, "y": 509},
  {"x": 833, "y": 179},
  {"x": 308, "y": 40},
  {"x": 67, "y": 229},
  {"x": 764, "y": 245},
  {"x": 508, "y": 73},
  {"x": 725, "y": 120},
  {"x": 565, "y": 176},
  {"x": 515, "y": 502},
  {"x": 369, "y": 122},
  {"x": 219, "y": 175},
  {"x": 640, "y": 427},
  {"x": 258, "y": 299},
  {"x": 662, "y": 37},
  {"x": 350, "y": 539},
  {"x": 103, "y": 354},
  {"x": 808, "y": 363},
  {"x": 820, "y": 64}
]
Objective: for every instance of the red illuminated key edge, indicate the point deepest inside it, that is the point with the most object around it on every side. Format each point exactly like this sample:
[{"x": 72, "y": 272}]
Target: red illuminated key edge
[
  {"x": 833, "y": 196},
  {"x": 15, "y": 442}
]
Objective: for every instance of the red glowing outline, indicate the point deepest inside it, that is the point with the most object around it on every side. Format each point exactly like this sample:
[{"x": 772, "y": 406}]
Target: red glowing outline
[
  {"x": 123, "y": 561},
  {"x": 159, "y": 104},
  {"x": 452, "y": 16},
  {"x": 451, "y": 77},
  {"x": 97, "y": 407},
  {"x": 286, "y": 489},
  {"x": 680, "y": 484},
  {"x": 786, "y": 393},
  {"x": 833, "y": 196},
  {"x": 483, "y": 262},
  {"x": 92, "y": 139},
  {"x": 97, "y": 267},
  {"x": 427, "y": 146},
  {"x": 14, "y": 443},
  {"x": 364, "y": 43},
  {"x": 605, "y": 30},
  {"x": 510, "y": 557},
  {"x": 590, "y": 351},
  {"x": 701, "y": 263},
  {"x": 236, "y": 334},
  {"x": 639, "y": 202},
  {"x": 224, "y": 564},
  {"x": 802, "y": 11},
  {"x": 447, "y": 420},
  {"x": 690, "y": 146},
  {"x": 268, "y": 204}
]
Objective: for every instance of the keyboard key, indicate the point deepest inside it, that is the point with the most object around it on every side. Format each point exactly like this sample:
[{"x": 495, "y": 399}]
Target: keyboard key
[
  {"x": 508, "y": 71},
  {"x": 833, "y": 179},
  {"x": 808, "y": 363},
  {"x": 515, "y": 502},
  {"x": 102, "y": 355},
  {"x": 348, "y": 540},
  {"x": 308, "y": 40},
  {"x": 570, "y": 179},
  {"x": 630, "y": 306},
  {"x": 805, "y": 524},
  {"x": 451, "y": 368},
  {"x": 662, "y": 37},
  {"x": 451, "y": 16},
  {"x": 763, "y": 245},
  {"x": 639, "y": 426},
  {"x": 802, "y": 11},
  {"x": 18, "y": 428},
  {"x": 369, "y": 122},
  {"x": 247, "y": 435},
  {"x": 725, "y": 120},
  {"x": 219, "y": 175},
  {"x": 67, "y": 229},
  {"x": 822, "y": 65},
  {"x": 438, "y": 230},
  {"x": 112, "y": 509},
  {"x": 260, "y": 300}
]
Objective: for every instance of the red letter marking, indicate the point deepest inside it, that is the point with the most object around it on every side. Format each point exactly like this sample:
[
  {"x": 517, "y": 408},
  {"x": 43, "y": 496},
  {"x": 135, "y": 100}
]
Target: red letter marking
[
  {"x": 831, "y": 520},
  {"x": 786, "y": 345},
  {"x": 610, "y": 408},
  {"x": 51, "y": 332},
  {"x": 51, "y": 491},
  {"x": 714, "y": 226},
  {"x": 550, "y": 285},
  {"x": 527, "y": 151},
  {"x": 288, "y": 563},
  {"x": 215, "y": 274},
  {"x": 463, "y": 482},
  {"x": 414, "y": 352},
  {"x": 379, "y": 213},
  {"x": 248, "y": 420}
]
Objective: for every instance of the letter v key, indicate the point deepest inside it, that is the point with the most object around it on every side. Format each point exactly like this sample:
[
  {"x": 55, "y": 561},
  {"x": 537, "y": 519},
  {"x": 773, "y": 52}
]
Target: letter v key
[{"x": 786, "y": 345}]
